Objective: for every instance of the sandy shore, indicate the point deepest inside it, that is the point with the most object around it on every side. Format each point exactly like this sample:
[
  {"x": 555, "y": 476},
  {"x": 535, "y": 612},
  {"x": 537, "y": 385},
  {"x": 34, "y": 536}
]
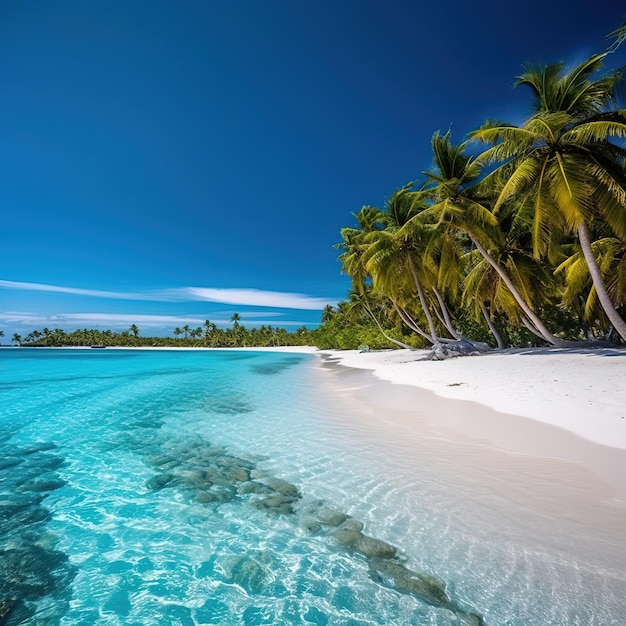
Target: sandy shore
[{"x": 582, "y": 391}]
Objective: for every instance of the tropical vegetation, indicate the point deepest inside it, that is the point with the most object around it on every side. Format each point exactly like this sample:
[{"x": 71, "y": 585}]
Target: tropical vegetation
[
  {"x": 208, "y": 335},
  {"x": 516, "y": 235}
]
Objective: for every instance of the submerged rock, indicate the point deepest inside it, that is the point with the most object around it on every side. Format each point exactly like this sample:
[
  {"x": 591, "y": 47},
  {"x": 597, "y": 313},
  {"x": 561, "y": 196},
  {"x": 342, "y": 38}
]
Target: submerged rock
[
  {"x": 352, "y": 524},
  {"x": 237, "y": 474},
  {"x": 400, "y": 578},
  {"x": 328, "y": 517},
  {"x": 276, "y": 503},
  {"x": 206, "y": 497},
  {"x": 42, "y": 484},
  {"x": 159, "y": 481},
  {"x": 367, "y": 546},
  {"x": 348, "y": 538},
  {"x": 253, "y": 487},
  {"x": 282, "y": 486},
  {"x": 311, "y": 524},
  {"x": 371, "y": 547},
  {"x": 165, "y": 461},
  {"x": 244, "y": 571}
]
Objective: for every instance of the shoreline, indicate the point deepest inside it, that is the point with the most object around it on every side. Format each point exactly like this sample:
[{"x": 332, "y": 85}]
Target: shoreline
[{"x": 581, "y": 392}]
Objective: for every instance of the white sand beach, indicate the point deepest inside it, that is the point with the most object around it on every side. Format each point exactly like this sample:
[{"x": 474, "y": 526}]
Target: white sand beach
[{"x": 582, "y": 391}]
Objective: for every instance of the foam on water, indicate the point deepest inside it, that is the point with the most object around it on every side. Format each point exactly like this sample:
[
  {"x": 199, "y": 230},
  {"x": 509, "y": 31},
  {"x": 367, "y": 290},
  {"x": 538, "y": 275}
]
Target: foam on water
[{"x": 164, "y": 487}]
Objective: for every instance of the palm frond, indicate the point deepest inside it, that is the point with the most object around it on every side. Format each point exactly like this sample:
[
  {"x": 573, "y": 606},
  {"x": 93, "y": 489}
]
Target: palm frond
[
  {"x": 524, "y": 175},
  {"x": 595, "y": 131}
]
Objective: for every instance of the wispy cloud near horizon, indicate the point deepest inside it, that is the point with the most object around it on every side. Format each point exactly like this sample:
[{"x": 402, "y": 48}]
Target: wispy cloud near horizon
[
  {"x": 242, "y": 297},
  {"x": 76, "y": 291},
  {"x": 121, "y": 320}
]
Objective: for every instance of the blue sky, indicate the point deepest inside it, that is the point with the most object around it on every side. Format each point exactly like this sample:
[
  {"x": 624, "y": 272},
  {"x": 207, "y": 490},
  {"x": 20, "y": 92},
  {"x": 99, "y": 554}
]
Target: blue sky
[{"x": 163, "y": 163}]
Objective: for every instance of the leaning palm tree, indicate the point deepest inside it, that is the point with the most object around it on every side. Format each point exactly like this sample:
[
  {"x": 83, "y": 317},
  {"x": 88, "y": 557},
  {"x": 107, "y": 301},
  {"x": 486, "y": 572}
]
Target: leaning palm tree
[
  {"x": 564, "y": 159},
  {"x": 395, "y": 255},
  {"x": 610, "y": 253},
  {"x": 459, "y": 206}
]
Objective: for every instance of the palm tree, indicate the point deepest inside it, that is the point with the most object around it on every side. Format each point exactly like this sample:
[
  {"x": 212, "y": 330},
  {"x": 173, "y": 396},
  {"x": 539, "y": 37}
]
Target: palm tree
[
  {"x": 328, "y": 313},
  {"x": 353, "y": 260},
  {"x": 16, "y": 339},
  {"x": 562, "y": 157},
  {"x": 458, "y": 205},
  {"x": 394, "y": 256},
  {"x": 580, "y": 292},
  {"x": 177, "y": 332},
  {"x": 186, "y": 330},
  {"x": 134, "y": 330},
  {"x": 209, "y": 330}
]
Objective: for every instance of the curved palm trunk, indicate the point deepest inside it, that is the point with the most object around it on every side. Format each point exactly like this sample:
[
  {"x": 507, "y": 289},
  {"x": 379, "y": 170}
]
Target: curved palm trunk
[
  {"x": 382, "y": 331},
  {"x": 529, "y": 326},
  {"x": 596, "y": 276},
  {"x": 420, "y": 293},
  {"x": 409, "y": 321},
  {"x": 447, "y": 322},
  {"x": 492, "y": 327},
  {"x": 530, "y": 314}
]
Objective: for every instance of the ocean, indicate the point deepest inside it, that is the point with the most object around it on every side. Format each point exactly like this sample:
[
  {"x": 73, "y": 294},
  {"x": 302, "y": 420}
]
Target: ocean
[{"x": 148, "y": 487}]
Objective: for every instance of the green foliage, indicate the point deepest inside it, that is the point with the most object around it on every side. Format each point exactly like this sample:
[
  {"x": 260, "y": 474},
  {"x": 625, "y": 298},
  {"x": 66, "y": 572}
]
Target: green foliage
[{"x": 508, "y": 241}]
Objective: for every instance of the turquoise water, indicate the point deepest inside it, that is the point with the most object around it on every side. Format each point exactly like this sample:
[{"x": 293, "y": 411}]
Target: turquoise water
[{"x": 171, "y": 487}]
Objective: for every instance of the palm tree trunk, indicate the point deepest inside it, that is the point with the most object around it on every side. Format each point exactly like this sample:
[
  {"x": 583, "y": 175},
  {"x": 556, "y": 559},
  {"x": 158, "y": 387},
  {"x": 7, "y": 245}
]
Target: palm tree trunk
[
  {"x": 530, "y": 314},
  {"x": 383, "y": 333},
  {"x": 492, "y": 327},
  {"x": 446, "y": 315},
  {"x": 529, "y": 326},
  {"x": 596, "y": 276},
  {"x": 410, "y": 322},
  {"x": 420, "y": 293}
]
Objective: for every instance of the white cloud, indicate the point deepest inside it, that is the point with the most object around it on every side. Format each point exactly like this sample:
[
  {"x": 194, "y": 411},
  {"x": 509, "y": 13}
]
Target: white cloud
[
  {"x": 257, "y": 297},
  {"x": 69, "y": 321},
  {"x": 241, "y": 297},
  {"x": 95, "y": 293}
]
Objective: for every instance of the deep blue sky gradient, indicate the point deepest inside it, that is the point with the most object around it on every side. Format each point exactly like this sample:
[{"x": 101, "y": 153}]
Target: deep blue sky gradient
[{"x": 147, "y": 147}]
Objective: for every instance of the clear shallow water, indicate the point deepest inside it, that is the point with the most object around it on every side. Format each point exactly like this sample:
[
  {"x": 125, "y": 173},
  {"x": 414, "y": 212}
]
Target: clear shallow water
[{"x": 165, "y": 487}]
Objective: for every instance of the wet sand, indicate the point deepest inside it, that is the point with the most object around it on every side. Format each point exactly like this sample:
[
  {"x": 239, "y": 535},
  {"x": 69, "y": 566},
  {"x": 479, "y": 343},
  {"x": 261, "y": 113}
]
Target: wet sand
[{"x": 498, "y": 479}]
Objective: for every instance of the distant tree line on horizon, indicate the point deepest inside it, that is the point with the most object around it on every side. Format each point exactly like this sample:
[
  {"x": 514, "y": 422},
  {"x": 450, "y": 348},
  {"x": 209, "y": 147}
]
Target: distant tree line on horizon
[
  {"x": 521, "y": 241},
  {"x": 208, "y": 335}
]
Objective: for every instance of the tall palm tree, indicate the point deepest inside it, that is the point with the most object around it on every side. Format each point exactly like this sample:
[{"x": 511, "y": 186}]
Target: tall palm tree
[
  {"x": 563, "y": 157},
  {"x": 394, "y": 256},
  {"x": 17, "y": 339},
  {"x": 610, "y": 253},
  {"x": 459, "y": 204},
  {"x": 134, "y": 330}
]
